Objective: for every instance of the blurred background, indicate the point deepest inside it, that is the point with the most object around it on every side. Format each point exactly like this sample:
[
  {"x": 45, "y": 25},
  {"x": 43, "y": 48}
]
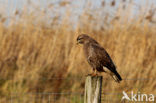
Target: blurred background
[{"x": 41, "y": 63}]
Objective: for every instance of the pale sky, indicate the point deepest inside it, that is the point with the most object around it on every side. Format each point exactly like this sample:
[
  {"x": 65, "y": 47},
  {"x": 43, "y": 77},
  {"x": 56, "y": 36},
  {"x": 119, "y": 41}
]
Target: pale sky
[{"x": 9, "y": 6}]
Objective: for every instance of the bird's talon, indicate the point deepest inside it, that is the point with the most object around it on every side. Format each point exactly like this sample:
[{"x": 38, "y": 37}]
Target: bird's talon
[{"x": 88, "y": 75}]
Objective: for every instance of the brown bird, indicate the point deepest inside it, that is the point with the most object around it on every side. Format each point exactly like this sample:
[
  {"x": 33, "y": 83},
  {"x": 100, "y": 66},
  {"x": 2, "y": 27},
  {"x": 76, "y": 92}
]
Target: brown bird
[{"x": 97, "y": 57}]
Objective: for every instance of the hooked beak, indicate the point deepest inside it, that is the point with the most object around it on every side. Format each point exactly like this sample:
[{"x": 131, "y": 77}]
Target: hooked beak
[{"x": 78, "y": 41}]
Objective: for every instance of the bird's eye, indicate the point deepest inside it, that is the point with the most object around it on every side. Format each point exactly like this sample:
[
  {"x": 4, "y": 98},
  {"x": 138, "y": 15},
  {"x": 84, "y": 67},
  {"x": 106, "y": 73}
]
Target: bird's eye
[{"x": 79, "y": 38}]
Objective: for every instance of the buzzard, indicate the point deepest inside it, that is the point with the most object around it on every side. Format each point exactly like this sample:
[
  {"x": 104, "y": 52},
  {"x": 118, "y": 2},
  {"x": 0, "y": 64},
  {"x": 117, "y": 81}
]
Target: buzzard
[{"x": 97, "y": 57}]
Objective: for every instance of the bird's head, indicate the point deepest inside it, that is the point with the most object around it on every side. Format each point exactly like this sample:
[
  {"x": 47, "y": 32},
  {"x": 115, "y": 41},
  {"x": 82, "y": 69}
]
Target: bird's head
[{"x": 82, "y": 39}]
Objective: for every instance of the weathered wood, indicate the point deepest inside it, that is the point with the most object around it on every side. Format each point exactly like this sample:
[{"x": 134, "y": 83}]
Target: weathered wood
[{"x": 93, "y": 88}]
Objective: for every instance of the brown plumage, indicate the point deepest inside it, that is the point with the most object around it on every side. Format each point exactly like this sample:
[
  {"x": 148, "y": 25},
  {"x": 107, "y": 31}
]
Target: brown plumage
[{"x": 97, "y": 57}]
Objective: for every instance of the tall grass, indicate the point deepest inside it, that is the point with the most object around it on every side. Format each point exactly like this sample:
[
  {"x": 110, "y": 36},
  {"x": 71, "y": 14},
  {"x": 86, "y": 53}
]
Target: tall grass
[{"x": 36, "y": 54}]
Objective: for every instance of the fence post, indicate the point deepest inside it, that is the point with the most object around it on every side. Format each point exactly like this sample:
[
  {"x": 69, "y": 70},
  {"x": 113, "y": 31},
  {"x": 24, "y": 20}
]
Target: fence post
[{"x": 93, "y": 89}]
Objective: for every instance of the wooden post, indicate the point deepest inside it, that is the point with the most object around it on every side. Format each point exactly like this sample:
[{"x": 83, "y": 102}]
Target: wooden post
[{"x": 93, "y": 89}]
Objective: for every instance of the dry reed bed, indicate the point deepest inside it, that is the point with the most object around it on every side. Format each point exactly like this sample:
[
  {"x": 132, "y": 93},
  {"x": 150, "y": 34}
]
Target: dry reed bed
[{"x": 32, "y": 54}]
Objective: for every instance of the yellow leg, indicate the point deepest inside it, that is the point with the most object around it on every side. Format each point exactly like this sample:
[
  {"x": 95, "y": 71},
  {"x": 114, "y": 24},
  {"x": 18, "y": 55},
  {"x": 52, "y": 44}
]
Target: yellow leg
[{"x": 93, "y": 73}]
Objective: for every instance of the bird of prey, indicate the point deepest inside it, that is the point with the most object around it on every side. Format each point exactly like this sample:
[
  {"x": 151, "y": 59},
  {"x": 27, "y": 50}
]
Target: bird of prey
[{"x": 97, "y": 57}]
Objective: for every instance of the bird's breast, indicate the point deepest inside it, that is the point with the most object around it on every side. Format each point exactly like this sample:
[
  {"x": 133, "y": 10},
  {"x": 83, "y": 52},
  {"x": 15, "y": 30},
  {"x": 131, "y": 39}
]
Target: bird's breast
[{"x": 86, "y": 50}]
